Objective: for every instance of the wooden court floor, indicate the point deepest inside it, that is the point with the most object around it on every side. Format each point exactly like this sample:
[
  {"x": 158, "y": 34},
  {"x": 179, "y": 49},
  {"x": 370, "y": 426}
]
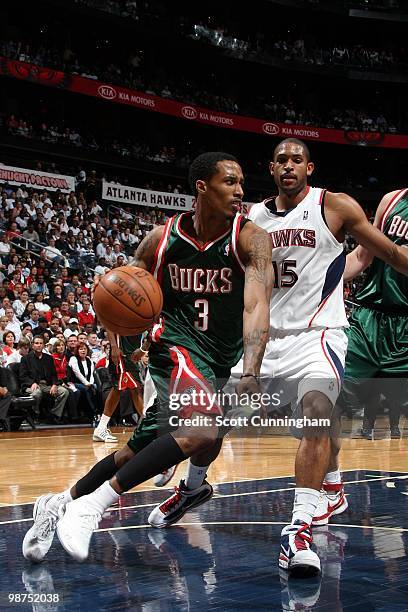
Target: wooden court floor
[{"x": 36, "y": 462}]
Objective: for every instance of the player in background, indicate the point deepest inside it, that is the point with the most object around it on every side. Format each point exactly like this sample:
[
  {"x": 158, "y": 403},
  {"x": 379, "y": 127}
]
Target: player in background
[
  {"x": 307, "y": 345},
  {"x": 378, "y": 334},
  {"x": 215, "y": 270},
  {"x": 125, "y": 374}
]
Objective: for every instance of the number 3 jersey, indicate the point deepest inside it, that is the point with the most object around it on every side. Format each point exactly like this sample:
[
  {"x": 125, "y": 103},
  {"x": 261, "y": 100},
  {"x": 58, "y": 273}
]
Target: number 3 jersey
[
  {"x": 203, "y": 292},
  {"x": 308, "y": 264}
]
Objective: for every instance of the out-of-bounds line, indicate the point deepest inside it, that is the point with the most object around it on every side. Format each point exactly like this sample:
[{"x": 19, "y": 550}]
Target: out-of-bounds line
[
  {"x": 200, "y": 523},
  {"x": 221, "y": 496},
  {"x": 153, "y": 488}
]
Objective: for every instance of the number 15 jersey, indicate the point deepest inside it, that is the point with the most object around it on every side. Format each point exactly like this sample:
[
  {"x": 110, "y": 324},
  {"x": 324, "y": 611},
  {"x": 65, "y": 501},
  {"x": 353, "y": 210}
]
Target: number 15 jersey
[{"x": 308, "y": 264}]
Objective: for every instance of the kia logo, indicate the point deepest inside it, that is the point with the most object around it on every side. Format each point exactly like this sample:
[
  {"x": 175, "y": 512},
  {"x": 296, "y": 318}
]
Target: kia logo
[
  {"x": 189, "y": 112},
  {"x": 270, "y": 128},
  {"x": 107, "y": 92}
]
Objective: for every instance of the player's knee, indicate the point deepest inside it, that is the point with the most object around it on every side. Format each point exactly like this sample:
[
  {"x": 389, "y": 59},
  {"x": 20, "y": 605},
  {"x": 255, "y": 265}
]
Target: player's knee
[
  {"x": 123, "y": 455},
  {"x": 316, "y": 406},
  {"x": 196, "y": 440}
]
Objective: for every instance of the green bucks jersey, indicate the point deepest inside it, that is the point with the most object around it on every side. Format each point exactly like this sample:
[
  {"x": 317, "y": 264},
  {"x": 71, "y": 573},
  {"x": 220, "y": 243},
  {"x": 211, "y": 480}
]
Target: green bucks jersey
[
  {"x": 203, "y": 292},
  {"x": 386, "y": 289}
]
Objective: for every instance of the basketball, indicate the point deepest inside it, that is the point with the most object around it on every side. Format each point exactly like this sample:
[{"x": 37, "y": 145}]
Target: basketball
[{"x": 128, "y": 300}]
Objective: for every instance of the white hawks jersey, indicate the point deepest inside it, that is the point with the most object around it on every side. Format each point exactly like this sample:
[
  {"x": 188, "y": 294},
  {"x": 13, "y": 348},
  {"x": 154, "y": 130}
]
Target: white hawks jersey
[{"x": 308, "y": 263}]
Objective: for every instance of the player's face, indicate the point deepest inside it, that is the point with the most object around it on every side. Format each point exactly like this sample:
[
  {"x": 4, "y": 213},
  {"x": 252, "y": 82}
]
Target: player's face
[
  {"x": 223, "y": 191},
  {"x": 290, "y": 168}
]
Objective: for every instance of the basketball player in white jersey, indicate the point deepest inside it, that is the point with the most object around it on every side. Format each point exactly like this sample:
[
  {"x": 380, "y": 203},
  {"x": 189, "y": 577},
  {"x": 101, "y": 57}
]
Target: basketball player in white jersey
[{"x": 307, "y": 344}]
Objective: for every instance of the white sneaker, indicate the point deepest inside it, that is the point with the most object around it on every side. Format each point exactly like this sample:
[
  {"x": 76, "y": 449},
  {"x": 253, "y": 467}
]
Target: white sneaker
[
  {"x": 38, "y": 539},
  {"x": 103, "y": 435},
  {"x": 76, "y": 527},
  {"x": 37, "y": 580},
  {"x": 332, "y": 501},
  {"x": 295, "y": 555},
  {"x": 164, "y": 477}
]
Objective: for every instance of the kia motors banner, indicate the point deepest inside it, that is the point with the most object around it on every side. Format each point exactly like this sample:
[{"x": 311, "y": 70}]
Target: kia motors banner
[
  {"x": 143, "y": 197},
  {"x": 35, "y": 178},
  {"x": 190, "y": 112}
]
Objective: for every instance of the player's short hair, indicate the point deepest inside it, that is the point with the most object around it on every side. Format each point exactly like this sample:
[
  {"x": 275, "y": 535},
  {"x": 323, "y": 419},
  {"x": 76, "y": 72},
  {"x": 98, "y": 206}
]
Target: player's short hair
[
  {"x": 204, "y": 167},
  {"x": 295, "y": 141}
]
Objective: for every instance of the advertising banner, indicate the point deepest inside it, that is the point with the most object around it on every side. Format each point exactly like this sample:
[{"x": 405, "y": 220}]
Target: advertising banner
[
  {"x": 36, "y": 178},
  {"x": 193, "y": 113}
]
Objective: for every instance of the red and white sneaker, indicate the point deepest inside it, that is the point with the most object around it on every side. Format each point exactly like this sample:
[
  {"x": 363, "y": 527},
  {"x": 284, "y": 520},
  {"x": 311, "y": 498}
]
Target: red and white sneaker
[
  {"x": 332, "y": 501},
  {"x": 296, "y": 556},
  {"x": 174, "y": 508}
]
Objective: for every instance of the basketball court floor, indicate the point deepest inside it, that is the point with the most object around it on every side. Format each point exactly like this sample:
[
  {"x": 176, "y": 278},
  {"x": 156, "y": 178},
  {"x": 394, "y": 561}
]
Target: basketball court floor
[{"x": 221, "y": 556}]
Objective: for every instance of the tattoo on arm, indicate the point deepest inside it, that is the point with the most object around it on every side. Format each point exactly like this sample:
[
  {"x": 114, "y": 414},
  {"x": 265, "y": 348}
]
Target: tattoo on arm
[
  {"x": 254, "y": 347},
  {"x": 144, "y": 255},
  {"x": 258, "y": 285},
  {"x": 259, "y": 257},
  {"x": 255, "y": 337}
]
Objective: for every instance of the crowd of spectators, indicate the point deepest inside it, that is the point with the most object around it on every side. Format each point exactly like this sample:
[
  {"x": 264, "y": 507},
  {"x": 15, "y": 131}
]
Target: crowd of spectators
[
  {"x": 360, "y": 55},
  {"x": 51, "y": 244},
  {"x": 56, "y": 132},
  {"x": 177, "y": 155},
  {"x": 129, "y": 9},
  {"x": 281, "y": 108},
  {"x": 137, "y": 10},
  {"x": 299, "y": 50}
]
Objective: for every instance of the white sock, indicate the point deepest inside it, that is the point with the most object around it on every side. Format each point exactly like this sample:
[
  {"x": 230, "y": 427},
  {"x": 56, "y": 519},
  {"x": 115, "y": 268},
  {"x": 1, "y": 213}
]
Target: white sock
[
  {"x": 195, "y": 475},
  {"x": 305, "y": 504},
  {"x": 102, "y": 498},
  {"x": 333, "y": 477},
  {"x": 103, "y": 423},
  {"x": 58, "y": 500}
]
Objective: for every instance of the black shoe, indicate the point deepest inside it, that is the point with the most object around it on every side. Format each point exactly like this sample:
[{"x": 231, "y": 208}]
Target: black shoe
[
  {"x": 367, "y": 434},
  {"x": 174, "y": 508},
  {"x": 395, "y": 432}
]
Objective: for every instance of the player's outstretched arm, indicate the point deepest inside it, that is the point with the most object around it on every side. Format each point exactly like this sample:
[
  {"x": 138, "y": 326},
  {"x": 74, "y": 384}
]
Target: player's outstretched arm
[
  {"x": 360, "y": 258},
  {"x": 256, "y": 249},
  {"x": 351, "y": 215}
]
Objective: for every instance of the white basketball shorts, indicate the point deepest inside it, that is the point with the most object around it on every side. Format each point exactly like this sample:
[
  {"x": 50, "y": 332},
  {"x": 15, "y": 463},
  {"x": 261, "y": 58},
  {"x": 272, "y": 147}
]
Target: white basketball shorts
[{"x": 299, "y": 361}]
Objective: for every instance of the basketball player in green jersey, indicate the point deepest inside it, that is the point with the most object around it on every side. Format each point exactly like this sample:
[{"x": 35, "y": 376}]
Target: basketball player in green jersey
[
  {"x": 215, "y": 268},
  {"x": 378, "y": 334},
  {"x": 125, "y": 375}
]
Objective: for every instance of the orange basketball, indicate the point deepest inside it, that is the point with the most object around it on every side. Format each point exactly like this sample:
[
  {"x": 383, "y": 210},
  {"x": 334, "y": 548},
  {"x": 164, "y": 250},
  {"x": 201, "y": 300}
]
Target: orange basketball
[{"x": 127, "y": 300}]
